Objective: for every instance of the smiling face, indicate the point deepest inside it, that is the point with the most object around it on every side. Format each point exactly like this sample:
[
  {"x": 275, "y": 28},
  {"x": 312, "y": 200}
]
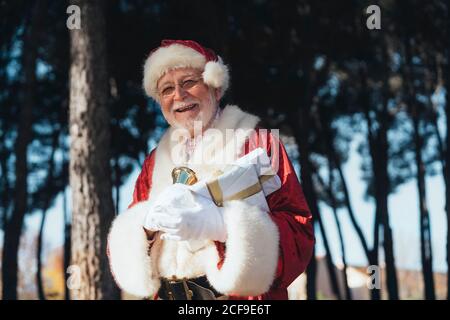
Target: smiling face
[{"x": 185, "y": 98}]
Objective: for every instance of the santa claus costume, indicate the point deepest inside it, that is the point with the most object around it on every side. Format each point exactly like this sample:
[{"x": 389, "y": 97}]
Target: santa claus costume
[{"x": 265, "y": 250}]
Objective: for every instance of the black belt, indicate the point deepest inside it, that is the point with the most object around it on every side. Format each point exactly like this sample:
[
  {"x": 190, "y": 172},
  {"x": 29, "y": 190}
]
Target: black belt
[{"x": 187, "y": 289}]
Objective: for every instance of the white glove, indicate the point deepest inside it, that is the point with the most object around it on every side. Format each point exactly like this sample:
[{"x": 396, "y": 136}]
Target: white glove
[{"x": 181, "y": 215}]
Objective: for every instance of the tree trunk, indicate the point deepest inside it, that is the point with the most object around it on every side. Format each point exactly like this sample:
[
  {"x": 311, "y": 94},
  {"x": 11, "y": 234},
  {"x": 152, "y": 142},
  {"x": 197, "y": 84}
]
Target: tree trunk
[
  {"x": 425, "y": 231},
  {"x": 440, "y": 145},
  {"x": 378, "y": 146},
  {"x": 67, "y": 246},
  {"x": 424, "y": 219},
  {"x": 311, "y": 276},
  {"x": 301, "y": 134},
  {"x": 47, "y": 194},
  {"x": 90, "y": 178},
  {"x": 348, "y": 293},
  {"x": 447, "y": 149},
  {"x": 447, "y": 174},
  {"x": 308, "y": 190},
  {"x": 375, "y": 292},
  {"x": 311, "y": 198},
  {"x": 336, "y": 163},
  {"x": 382, "y": 187},
  {"x": 329, "y": 190},
  {"x": 351, "y": 214},
  {"x": 14, "y": 225},
  {"x": 39, "y": 279},
  {"x": 5, "y": 187}
]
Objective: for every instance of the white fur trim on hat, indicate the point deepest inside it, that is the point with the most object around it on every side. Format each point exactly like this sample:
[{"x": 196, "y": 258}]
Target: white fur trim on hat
[
  {"x": 177, "y": 56},
  {"x": 217, "y": 75}
]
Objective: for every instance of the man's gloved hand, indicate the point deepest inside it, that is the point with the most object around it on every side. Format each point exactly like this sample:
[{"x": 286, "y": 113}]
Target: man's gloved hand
[{"x": 183, "y": 216}]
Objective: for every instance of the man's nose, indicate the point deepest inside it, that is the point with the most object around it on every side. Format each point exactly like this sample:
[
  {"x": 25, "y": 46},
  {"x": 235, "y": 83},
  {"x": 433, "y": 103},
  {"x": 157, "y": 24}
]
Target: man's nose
[{"x": 180, "y": 93}]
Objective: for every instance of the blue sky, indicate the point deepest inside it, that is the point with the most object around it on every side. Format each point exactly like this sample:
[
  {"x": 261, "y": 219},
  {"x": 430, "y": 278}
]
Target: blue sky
[{"x": 404, "y": 220}]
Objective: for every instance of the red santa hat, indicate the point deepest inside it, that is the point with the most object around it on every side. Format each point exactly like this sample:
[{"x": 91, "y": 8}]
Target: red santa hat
[{"x": 174, "y": 54}]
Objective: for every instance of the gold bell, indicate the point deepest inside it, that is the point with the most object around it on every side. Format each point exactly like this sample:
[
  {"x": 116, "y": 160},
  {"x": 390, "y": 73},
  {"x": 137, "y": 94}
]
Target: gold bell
[{"x": 184, "y": 175}]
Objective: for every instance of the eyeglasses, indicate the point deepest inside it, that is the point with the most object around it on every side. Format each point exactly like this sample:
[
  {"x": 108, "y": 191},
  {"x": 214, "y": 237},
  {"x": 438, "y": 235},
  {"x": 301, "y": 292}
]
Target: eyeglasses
[{"x": 168, "y": 89}]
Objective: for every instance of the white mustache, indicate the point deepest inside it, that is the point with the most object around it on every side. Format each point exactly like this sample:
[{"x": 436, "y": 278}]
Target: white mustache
[{"x": 179, "y": 105}]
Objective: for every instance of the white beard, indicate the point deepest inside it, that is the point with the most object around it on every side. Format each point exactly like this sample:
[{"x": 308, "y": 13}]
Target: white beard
[{"x": 202, "y": 121}]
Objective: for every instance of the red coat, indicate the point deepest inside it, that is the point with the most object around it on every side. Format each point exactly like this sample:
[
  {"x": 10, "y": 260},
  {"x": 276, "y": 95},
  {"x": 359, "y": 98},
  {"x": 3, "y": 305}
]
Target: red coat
[{"x": 288, "y": 210}]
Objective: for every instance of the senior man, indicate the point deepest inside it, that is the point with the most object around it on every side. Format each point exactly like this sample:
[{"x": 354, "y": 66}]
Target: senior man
[{"x": 172, "y": 245}]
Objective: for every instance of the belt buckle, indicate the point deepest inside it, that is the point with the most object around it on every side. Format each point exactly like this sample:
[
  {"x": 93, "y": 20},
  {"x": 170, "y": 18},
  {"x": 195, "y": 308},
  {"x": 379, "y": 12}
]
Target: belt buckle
[
  {"x": 187, "y": 291},
  {"x": 167, "y": 284}
]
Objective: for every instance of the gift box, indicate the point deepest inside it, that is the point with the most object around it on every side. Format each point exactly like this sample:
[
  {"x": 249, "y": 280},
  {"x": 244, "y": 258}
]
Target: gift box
[{"x": 250, "y": 178}]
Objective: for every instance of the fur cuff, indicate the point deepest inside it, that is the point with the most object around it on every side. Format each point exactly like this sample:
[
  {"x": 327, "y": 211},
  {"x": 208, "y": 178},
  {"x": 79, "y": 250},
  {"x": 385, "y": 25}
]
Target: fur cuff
[
  {"x": 128, "y": 253},
  {"x": 251, "y": 255}
]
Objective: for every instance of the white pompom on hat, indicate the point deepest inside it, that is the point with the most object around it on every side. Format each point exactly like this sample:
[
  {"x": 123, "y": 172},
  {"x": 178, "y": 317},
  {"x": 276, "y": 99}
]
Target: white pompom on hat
[{"x": 174, "y": 54}]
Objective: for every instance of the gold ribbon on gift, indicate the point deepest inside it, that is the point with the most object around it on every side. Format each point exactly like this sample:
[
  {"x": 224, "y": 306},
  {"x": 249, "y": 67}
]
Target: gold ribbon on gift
[{"x": 217, "y": 194}]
